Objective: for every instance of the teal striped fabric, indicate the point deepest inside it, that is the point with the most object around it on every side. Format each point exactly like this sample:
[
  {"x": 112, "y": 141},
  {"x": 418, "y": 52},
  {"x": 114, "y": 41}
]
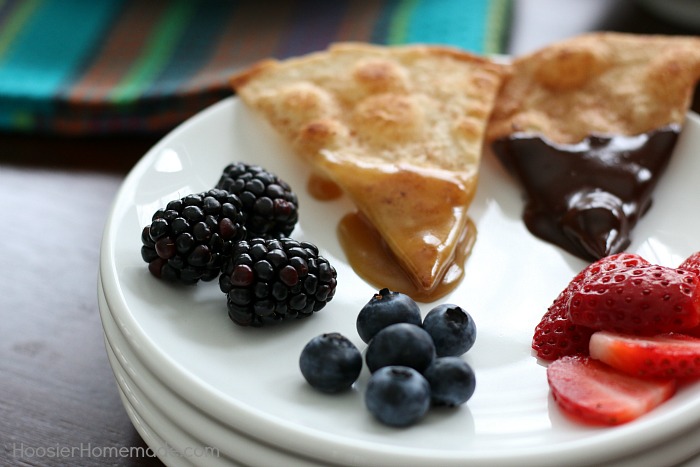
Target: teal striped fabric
[{"x": 85, "y": 66}]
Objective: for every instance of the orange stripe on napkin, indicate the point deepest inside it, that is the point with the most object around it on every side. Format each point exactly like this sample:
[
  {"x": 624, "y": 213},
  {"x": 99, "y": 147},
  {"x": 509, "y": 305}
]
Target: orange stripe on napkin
[{"x": 120, "y": 50}]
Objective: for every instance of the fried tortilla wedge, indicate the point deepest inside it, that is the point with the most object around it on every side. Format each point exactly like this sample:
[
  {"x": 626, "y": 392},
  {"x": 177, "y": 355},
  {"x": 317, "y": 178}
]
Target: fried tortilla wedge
[
  {"x": 599, "y": 83},
  {"x": 587, "y": 126},
  {"x": 400, "y": 129}
]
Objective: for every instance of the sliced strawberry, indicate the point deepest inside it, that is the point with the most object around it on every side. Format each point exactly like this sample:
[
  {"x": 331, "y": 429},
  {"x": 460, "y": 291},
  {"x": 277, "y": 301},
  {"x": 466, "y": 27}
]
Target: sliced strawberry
[
  {"x": 661, "y": 356},
  {"x": 555, "y": 335},
  {"x": 612, "y": 263},
  {"x": 643, "y": 300},
  {"x": 593, "y": 392},
  {"x": 692, "y": 264}
]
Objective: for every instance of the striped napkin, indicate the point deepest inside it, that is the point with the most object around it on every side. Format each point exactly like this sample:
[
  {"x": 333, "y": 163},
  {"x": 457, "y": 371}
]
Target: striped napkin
[{"x": 117, "y": 66}]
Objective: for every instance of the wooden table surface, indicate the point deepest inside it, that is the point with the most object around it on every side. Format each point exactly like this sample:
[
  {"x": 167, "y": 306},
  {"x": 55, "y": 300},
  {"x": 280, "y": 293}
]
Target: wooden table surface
[{"x": 56, "y": 385}]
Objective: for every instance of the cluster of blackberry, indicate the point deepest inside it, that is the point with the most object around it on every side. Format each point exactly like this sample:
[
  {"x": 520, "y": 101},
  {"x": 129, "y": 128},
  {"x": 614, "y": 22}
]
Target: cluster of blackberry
[
  {"x": 271, "y": 206},
  {"x": 271, "y": 280},
  {"x": 239, "y": 232},
  {"x": 189, "y": 239}
]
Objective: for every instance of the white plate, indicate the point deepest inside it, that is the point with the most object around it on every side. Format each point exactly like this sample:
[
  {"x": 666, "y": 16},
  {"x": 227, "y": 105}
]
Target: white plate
[
  {"x": 171, "y": 425},
  {"x": 249, "y": 378},
  {"x": 181, "y": 431}
]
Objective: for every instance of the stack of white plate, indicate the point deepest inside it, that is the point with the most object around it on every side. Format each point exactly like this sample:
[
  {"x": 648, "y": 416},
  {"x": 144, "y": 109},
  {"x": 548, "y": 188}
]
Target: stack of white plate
[{"x": 203, "y": 391}]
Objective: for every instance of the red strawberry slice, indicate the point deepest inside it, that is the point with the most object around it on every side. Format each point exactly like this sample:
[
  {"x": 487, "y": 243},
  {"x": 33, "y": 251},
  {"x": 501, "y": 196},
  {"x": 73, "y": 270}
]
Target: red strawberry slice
[
  {"x": 692, "y": 264},
  {"x": 661, "y": 356},
  {"x": 595, "y": 393},
  {"x": 643, "y": 300},
  {"x": 612, "y": 263},
  {"x": 555, "y": 335}
]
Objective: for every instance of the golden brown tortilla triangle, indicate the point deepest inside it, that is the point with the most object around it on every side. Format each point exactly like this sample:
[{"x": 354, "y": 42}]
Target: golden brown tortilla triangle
[{"x": 399, "y": 129}]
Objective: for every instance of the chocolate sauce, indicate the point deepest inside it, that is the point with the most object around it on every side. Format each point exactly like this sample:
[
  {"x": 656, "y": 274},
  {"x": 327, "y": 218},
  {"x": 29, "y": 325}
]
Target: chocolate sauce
[{"x": 587, "y": 197}]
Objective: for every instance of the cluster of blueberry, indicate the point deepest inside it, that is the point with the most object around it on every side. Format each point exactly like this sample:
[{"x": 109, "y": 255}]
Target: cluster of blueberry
[{"x": 414, "y": 363}]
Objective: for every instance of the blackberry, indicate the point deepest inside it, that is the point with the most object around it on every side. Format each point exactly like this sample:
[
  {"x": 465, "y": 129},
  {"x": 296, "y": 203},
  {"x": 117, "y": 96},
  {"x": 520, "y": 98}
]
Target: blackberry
[
  {"x": 271, "y": 280},
  {"x": 270, "y": 204},
  {"x": 188, "y": 240}
]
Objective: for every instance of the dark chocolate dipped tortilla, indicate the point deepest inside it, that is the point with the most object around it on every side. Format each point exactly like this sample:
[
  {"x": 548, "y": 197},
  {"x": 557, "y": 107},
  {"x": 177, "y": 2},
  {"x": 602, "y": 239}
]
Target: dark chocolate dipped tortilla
[
  {"x": 587, "y": 127},
  {"x": 587, "y": 197}
]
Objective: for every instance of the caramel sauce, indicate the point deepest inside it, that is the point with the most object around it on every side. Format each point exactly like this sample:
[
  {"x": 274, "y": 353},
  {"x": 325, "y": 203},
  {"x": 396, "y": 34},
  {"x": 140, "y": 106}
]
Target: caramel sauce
[
  {"x": 323, "y": 189},
  {"x": 413, "y": 234},
  {"x": 372, "y": 259}
]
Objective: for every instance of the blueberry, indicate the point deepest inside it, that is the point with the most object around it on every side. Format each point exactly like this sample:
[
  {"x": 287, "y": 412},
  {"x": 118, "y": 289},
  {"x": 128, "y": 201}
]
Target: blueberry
[
  {"x": 401, "y": 344},
  {"x": 397, "y": 395},
  {"x": 330, "y": 362},
  {"x": 452, "y": 381},
  {"x": 451, "y": 328},
  {"x": 385, "y": 308}
]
